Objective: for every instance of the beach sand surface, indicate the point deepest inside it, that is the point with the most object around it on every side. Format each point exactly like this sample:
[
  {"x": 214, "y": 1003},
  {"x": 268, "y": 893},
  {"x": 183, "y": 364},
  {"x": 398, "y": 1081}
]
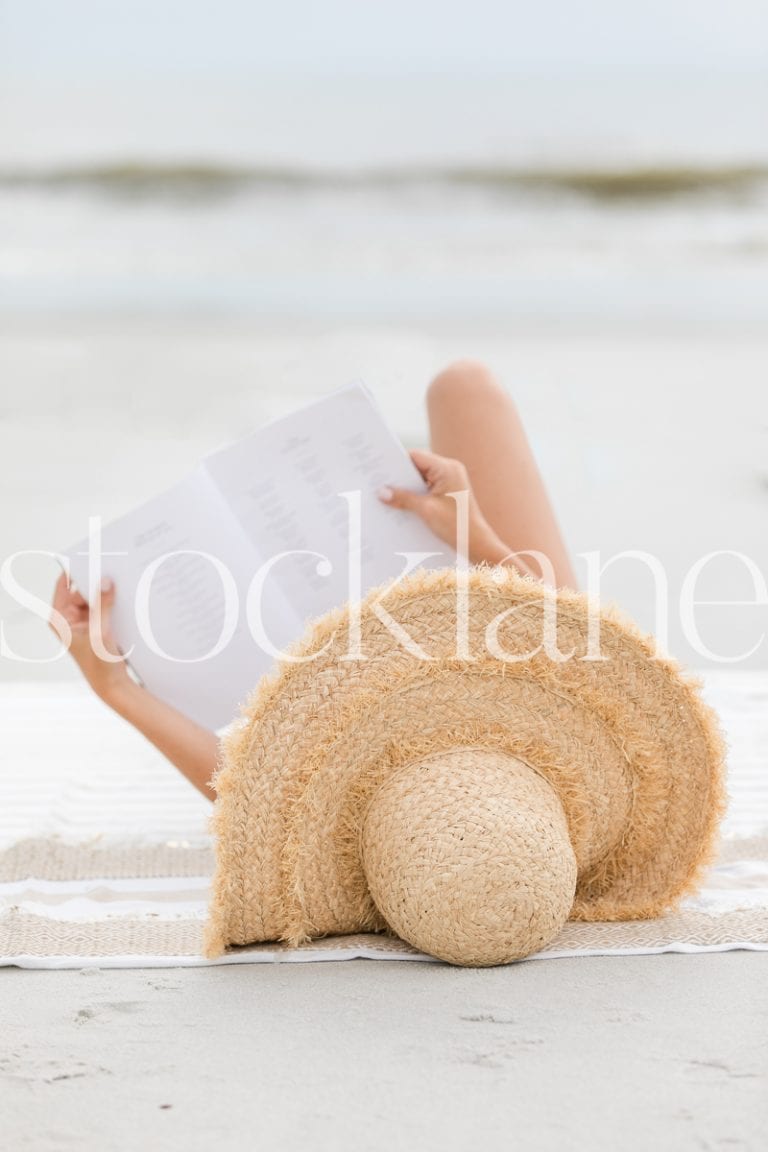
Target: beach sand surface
[{"x": 663, "y": 1052}]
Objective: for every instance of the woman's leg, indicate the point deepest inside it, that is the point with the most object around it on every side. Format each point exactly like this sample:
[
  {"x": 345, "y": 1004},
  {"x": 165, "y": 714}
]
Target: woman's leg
[{"x": 472, "y": 419}]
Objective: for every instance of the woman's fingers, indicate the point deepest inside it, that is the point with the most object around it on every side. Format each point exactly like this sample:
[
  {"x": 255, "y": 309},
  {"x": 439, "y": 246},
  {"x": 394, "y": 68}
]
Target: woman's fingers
[
  {"x": 66, "y": 595},
  {"x": 102, "y": 614},
  {"x": 442, "y": 473},
  {"x": 61, "y": 606},
  {"x": 107, "y": 601},
  {"x": 61, "y": 595},
  {"x": 70, "y": 613},
  {"x": 442, "y": 476},
  {"x": 439, "y": 507},
  {"x": 431, "y": 466},
  {"x": 423, "y": 461}
]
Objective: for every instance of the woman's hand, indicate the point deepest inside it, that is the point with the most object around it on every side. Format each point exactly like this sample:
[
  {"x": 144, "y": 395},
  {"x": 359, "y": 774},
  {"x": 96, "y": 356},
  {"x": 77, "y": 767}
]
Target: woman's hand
[
  {"x": 71, "y": 620},
  {"x": 191, "y": 748},
  {"x": 438, "y": 509}
]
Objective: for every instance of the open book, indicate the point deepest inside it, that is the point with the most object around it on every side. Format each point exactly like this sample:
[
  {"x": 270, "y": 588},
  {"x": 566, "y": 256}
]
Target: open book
[{"x": 276, "y": 516}]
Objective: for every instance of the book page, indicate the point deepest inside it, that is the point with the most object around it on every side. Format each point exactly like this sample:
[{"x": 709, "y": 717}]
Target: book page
[
  {"x": 186, "y": 601},
  {"x": 284, "y": 484}
]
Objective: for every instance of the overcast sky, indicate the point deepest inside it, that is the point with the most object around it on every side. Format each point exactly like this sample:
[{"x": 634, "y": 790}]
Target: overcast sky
[
  {"x": 91, "y": 37},
  {"x": 160, "y": 77}
]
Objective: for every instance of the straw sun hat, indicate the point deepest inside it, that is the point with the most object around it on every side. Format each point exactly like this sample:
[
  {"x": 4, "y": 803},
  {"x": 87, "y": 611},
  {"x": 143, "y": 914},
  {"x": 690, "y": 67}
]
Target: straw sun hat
[{"x": 462, "y": 799}]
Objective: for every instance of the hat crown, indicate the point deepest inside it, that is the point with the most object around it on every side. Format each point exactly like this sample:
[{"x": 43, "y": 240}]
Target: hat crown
[{"x": 467, "y": 856}]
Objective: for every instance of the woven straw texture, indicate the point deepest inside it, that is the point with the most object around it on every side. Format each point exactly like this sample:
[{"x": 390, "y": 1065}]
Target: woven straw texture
[
  {"x": 467, "y": 856},
  {"x": 625, "y": 743}
]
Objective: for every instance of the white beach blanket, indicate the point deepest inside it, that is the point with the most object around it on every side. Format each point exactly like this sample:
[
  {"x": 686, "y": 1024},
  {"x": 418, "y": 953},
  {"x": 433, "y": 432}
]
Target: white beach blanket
[{"x": 105, "y": 857}]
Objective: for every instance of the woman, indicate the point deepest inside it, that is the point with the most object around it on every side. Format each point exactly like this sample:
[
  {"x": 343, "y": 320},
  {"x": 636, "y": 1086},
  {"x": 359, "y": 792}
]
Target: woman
[{"x": 478, "y": 445}]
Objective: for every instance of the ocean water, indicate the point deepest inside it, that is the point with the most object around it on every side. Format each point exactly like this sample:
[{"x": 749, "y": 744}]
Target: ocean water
[
  {"x": 678, "y": 245},
  {"x": 599, "y": 197}
]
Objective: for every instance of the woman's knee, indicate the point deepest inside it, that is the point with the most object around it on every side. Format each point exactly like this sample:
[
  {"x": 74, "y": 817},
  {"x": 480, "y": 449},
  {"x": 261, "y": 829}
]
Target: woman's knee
[{"x": 462, "y": 379}]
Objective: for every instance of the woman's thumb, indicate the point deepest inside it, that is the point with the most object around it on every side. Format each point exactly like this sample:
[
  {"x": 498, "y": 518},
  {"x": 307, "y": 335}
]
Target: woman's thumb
[{"x": 402, "y": 498}]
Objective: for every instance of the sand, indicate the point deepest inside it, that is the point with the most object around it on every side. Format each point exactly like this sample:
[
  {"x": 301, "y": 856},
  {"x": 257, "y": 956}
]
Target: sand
[{"x": 652, "y": 1052}]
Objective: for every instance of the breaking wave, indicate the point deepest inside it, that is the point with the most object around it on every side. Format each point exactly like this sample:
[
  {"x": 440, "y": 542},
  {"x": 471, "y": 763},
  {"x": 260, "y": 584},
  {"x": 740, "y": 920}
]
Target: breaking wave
[{"x": 213, "y": 181}]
